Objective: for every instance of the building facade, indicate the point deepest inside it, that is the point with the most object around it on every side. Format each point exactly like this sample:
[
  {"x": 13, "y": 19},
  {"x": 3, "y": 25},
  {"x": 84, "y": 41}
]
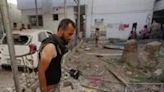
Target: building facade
[
  {"x": 116, "y": 17},
  {"x": 50, "y": 12}
]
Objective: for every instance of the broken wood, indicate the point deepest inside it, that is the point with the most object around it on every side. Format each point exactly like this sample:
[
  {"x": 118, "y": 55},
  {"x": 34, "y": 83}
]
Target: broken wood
[{"x": 117, "y": 76}]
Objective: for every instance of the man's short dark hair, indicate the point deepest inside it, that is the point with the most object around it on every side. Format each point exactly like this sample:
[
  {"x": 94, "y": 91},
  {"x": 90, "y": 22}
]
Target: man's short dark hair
[{"x": 65, "y": 22}]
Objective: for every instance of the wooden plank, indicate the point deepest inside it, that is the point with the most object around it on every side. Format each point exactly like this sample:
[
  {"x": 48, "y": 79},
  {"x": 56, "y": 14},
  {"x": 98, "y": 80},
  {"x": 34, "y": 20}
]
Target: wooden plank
[{"x": 117, "y": 76}]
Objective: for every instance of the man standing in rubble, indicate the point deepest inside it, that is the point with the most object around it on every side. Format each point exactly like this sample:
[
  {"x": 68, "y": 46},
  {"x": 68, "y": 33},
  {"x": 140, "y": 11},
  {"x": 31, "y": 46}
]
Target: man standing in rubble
[{"x": 50, "y": 55}]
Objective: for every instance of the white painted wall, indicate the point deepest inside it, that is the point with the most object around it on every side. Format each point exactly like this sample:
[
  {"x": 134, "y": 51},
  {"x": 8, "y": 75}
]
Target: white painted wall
[
  {"x": 15, "y": 14},
  {"x": 48, "y": 22},
  {"x": 119, "y": 11},
  {"x": 47, "y": 8},
  {"x": 114, "y": 32}
]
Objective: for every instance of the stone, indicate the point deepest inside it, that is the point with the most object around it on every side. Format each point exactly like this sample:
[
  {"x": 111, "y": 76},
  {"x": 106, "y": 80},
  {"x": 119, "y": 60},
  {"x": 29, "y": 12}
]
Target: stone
[
  {"x": 87, "y": 49},
  {"x": 8, "y": 90},
  {"x": 158, "y": 72},
  {"x": 67, "y": 83},
  {"x": 148, "y": 57},
  {"x": 129, "y": 73},
  {"x": 153, "y": 48},
  {"x": 130, "y": 53}
]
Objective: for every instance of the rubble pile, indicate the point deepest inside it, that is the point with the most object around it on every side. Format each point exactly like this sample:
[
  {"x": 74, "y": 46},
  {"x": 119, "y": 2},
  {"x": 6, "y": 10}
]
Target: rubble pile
[
  {"x": 94, "y": 72},
  {"x": 140, "y": 58}
]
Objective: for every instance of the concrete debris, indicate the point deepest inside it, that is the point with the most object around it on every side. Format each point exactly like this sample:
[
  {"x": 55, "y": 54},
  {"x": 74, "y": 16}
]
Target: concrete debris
[
  {"x": 153, "y": 48},
  {"x": 117, "y": 77},
  {"x": 129, "y": 73},
  {"x": 87, "y": 49},
  {"x": 130, "y": 53},
  {"x": 115, "y": 47},
  {"x": 98, "y": 55},
  {"x": 149, "y": 55},
  {"x": 158, "y": 72},
  {"x": 93, "y": 72},
  {"x": 8, "y": 90},
  {"x": 68, "y": 83},
  {"x": 135, "y": 57}
]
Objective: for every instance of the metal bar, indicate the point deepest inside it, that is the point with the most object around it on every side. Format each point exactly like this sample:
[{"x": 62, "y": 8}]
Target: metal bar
[
  {"x": 25, "y": 70},
  {"x": 2, "y": 19},
  {"x": 36, "y": 10},
  {"x": 65, "y": 1},
  {"x": 78, "y": 22},
  {"x": 7, "y": 26}
]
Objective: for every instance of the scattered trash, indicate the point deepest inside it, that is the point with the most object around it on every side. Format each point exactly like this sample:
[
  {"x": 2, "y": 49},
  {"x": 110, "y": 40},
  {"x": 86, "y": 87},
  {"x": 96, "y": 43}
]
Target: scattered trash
[
  {"x": 129, "y": 73},
  {"x": 68, "y": 83},
  {"x": 89, "y": 90},
  {"x": 158, "y": 72},
  {"x": 116, "y": 47},
  {"x": 74, "y": 73},
  {"x": 87, "y": 49},
  {"x": 8, "y": 90},
  {"x": 98, "y": 55}
]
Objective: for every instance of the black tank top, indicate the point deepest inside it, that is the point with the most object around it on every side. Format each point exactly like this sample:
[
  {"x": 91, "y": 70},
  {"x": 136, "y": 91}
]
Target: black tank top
[{"x": 53, "y": 73}]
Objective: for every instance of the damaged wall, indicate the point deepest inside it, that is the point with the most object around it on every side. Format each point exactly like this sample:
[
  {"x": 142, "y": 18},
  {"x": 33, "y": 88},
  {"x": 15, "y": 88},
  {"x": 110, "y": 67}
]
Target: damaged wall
[{"x": 119, "y": 12}]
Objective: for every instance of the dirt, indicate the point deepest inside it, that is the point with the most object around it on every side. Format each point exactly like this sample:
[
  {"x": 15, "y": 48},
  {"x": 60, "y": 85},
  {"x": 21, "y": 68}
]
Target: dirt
[
  {"x": 94, "y": 64},
  {"x": 6, "y": 77}
]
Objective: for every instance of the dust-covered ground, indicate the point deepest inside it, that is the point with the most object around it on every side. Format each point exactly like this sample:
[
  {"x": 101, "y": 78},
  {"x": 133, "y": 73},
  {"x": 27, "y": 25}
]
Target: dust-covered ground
[
  {"x": 96, "y": 64},
  {"x": 6, "y": 79}
]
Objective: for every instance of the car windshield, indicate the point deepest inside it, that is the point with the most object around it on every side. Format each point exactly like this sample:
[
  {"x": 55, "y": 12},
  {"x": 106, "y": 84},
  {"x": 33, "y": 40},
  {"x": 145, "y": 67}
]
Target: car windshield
[{"x": 18, "y": 39}]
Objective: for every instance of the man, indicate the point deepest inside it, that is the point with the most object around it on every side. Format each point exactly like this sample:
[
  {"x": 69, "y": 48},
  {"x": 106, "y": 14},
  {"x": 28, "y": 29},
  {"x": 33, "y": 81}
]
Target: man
[
  {"x": 144, "y": 33},
  {"x": 15, "y": 26},
  {"x": 51, "y": 52},
  {"x": 22, "y": 27}
]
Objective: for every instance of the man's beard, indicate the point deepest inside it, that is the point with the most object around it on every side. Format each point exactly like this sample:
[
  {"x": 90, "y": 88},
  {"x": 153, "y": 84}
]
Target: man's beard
[{"x": 65, "y": 42}]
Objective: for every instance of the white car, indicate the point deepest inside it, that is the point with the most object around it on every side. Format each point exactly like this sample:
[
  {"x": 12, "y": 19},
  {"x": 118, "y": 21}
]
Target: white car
[{"x": 22, "y": 41}]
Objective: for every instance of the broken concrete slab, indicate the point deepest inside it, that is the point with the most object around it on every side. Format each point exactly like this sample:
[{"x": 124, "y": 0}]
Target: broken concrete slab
[
  {"x": 153, "y": 48},
  {"x": 87, "y": 49},
  {"x": 68, "y": 83},
  {"x": 130, "y": 53},
  {"x": 158, "y": 72},
  {"x": 115, "y": 47},
  {"x": 149, "y": 55}
]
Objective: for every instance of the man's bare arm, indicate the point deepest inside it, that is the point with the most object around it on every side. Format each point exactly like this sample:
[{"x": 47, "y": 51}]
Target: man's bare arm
[{"x": 48, "y": 52}]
